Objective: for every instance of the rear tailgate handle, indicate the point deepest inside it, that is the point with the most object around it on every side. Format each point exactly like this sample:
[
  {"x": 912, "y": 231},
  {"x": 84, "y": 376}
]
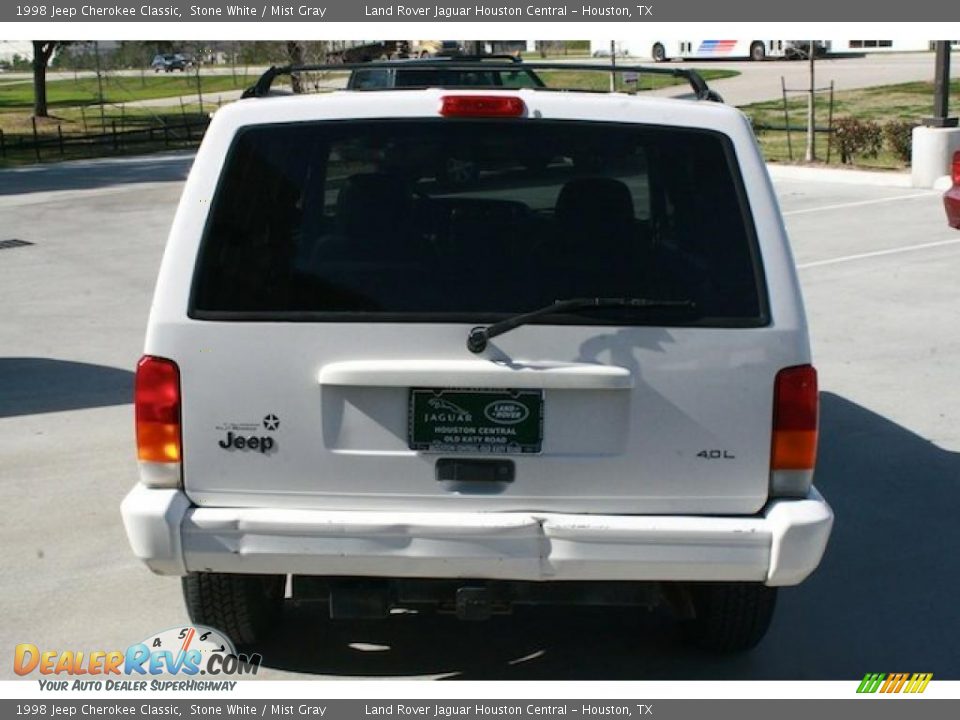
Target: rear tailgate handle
[{"x": 481, "y": 374}]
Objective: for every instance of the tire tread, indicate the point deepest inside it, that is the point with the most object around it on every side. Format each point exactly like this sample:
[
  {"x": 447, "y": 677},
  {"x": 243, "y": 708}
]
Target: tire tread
[
  {"x": 240, "y": 606},
  {"x": 731, "y": 617}
]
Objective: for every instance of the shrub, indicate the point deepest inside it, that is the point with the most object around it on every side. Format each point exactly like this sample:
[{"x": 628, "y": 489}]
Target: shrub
[
  {"x": 899, "y": 137},
  {"x": 855, "y": 137}
]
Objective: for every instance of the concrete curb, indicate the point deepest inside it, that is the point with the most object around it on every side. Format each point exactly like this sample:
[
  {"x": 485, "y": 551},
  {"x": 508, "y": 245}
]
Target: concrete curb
[{"x": 880, "y": 178}]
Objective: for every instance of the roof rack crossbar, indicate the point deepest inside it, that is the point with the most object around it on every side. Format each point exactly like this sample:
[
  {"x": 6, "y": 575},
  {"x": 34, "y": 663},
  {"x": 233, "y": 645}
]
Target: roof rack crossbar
[{"x": 699, "y": 86}]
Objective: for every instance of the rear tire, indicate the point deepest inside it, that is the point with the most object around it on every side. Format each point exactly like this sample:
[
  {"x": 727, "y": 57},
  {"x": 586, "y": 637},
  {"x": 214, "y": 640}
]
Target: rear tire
[
  {"x": 730, "y": 617},
  {"x": 658, "y": 53},
  {"x": 244, "y": 607},
  {"x": 757, "y": 51}
]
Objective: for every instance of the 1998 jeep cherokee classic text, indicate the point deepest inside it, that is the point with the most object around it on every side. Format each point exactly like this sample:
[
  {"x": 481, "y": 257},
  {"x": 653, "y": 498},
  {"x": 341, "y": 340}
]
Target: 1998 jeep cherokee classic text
[{"x": 583, "y": 376}]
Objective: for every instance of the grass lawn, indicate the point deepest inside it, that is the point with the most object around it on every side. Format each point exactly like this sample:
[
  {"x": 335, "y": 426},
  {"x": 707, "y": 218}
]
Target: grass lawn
[
  {"x": 910, "y": 102},
  {"x": 17, "y": 128},
  {"x": 600, "y": 81},
  {"x": 71, "y": 105},
  {"x": 83, "y": 91}
]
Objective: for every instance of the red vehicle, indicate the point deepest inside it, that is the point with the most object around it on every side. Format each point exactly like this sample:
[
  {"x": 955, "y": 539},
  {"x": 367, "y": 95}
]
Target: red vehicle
[{"x": 951, "y": 198}]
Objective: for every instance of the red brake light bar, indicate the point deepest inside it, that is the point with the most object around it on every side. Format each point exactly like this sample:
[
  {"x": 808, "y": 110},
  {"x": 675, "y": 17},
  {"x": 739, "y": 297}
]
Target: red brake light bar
[
  {"x": 482, "y": 106},
  {"x": 955, "y": 169}
]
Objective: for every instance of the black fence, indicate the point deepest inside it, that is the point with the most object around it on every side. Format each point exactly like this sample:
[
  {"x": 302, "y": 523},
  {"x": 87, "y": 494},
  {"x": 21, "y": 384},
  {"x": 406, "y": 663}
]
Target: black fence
[{"x": 113, "y": 138}]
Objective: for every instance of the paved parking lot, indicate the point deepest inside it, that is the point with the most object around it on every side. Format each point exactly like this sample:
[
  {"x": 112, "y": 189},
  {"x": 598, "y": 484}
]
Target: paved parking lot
[{"x": 880, "y": 272}]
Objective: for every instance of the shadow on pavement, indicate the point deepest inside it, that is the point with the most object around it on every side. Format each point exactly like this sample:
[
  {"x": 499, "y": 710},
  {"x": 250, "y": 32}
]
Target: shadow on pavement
[
  {"x": 29, "y": 386},
  {"x": 94, "y": 174},
  {"x": 884, "y": 599}
]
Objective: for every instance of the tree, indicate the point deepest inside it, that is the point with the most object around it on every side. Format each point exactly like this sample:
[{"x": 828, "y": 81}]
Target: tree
[
  {"x": 42, "y": 52},
  {"x": 295, "y": 55}
]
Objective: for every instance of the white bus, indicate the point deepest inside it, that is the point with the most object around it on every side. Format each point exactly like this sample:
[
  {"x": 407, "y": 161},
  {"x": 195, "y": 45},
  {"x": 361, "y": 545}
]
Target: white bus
[{"x": 662, "y": 50}]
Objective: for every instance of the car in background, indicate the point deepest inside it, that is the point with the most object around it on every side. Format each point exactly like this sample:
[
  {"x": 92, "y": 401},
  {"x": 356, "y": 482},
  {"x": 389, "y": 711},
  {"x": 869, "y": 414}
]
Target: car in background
[
  {"x": 951, "y": 198},
  {"x": 430, "y": 72},
  {"x": 170, "y": 62}
]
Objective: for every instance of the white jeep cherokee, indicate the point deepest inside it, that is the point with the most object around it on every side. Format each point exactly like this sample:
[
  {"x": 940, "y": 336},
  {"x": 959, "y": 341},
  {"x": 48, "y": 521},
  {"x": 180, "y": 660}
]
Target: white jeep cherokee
[{"x": 580, "y": 373}]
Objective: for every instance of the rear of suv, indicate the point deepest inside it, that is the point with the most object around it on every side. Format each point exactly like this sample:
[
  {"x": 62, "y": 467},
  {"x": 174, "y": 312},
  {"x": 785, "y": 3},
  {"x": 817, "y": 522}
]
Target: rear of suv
[{"x": 584, "y": 380}]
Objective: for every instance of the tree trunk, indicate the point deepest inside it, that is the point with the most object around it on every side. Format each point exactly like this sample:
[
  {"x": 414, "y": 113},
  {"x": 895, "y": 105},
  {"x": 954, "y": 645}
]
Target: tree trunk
[
  {"x": 295, "y": 55},
  {"x": 42, "y": 52}
]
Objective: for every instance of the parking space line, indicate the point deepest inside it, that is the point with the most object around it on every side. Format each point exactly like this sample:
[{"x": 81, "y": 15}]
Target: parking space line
[
  {"x": 859, "y": 203},
  {"x": 877, "y": 253}
]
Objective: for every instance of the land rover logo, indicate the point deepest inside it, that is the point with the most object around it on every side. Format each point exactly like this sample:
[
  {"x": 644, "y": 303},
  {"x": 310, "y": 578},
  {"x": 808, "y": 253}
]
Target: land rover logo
[{"x": 506, "y": 412}]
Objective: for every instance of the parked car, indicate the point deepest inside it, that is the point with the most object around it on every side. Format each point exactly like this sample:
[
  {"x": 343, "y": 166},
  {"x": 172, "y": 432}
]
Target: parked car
[
  {"x": 951, "y": 199},
  {"x": 587, "y": 382},
  {"x": 490, "y": 72},
  {"x": 170, "y": 62}
]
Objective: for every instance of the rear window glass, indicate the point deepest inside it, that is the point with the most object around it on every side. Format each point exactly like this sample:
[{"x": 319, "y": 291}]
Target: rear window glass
[
  {"x": 458, "y": 221},
  {"x": 414, "y": 77}
]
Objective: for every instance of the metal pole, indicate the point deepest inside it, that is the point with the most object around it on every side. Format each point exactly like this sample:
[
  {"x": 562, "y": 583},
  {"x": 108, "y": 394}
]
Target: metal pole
[
  {"x": 786, "y": 117},
  {"x": 36, "y": 139},
  {"x": 830, "y": 125},
  {"x": 613, "y": 63},
  {"x": 941, "y": 88},
  {"x": 199, "y": 90},
  {"x": 811, "y": 113},
  {"x": 103, "y": 117}
]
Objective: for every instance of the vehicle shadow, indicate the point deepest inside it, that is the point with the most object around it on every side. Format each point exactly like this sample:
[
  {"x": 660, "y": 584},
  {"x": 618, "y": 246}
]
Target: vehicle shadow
[
  {"x": 883, "y": 600},
  {"x": 97, "y": 173},
  {"x": 29, "y": 386}
]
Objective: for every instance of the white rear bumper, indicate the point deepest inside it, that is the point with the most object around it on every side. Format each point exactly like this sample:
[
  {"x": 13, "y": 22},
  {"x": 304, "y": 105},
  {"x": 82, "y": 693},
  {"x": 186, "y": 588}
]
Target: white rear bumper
[{"x": 779, "y": 547}]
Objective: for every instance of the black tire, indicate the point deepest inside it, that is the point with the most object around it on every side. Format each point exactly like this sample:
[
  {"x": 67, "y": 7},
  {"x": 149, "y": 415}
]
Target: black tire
[
  {"x": 757, "y": 51},
  {"x": 658, "y": 53},
  {"x": 244, "y": 607},
  {"x": 730, "y": 617}
]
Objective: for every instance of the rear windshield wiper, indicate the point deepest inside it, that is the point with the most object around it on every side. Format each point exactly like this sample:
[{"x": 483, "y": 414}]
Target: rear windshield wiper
[{"x": 479, "y": 336}]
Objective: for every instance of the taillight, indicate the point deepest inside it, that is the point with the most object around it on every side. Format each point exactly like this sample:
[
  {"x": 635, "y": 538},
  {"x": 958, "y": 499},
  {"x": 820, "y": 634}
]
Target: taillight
[
  {"x": 955, "y": 168},
  {"x": 793, "y": 453},
  {"x": 795, "y": 406},
  {"x": 157, "y": 409},
  {"x": 482, "y": 106}
]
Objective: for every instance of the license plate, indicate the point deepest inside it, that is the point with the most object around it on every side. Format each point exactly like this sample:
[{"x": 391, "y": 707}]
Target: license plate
[{"x": 476, "y": 421}]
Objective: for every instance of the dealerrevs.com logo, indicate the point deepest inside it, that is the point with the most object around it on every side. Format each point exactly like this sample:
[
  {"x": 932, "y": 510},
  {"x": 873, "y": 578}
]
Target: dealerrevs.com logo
[{"x": 185, "y": 651}]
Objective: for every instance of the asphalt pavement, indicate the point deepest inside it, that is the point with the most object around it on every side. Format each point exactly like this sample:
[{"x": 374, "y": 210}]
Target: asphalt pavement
[{"x": 879, "y": 269}]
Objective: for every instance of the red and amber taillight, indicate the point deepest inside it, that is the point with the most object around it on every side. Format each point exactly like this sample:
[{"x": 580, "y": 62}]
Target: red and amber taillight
[
  {"x": 157, "y": 409},
  {"x": 793, "y": 454}
]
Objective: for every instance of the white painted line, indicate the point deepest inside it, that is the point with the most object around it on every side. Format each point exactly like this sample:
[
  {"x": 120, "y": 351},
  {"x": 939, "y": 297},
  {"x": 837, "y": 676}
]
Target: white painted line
[
  {"x": 859, "y": 203},
  {"x": 878, "y": 253}
]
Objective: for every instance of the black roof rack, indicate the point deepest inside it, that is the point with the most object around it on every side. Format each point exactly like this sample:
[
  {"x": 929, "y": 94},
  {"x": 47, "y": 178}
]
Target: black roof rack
[{"x": 469, "y": 62}]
